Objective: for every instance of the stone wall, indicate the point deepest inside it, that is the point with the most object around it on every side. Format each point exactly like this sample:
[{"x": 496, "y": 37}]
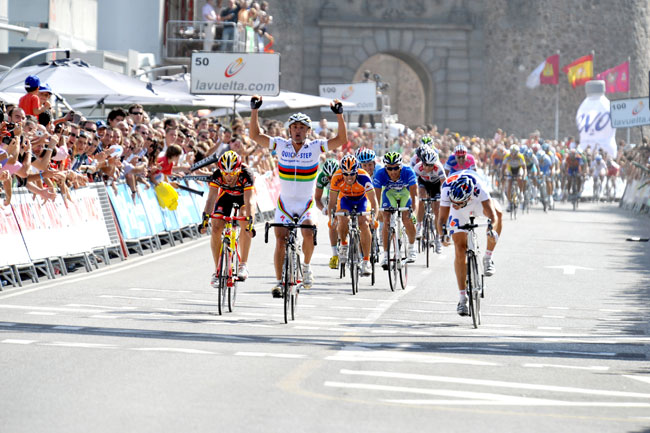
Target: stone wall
[{"x": 472, "y": 56}]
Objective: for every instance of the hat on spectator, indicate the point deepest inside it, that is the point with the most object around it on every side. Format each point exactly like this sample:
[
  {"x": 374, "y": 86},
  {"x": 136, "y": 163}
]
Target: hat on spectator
[
  {"x": 45, "y": 88},
  {"x": 32, "y": 82},
  {"x": 101, "y": 124}
]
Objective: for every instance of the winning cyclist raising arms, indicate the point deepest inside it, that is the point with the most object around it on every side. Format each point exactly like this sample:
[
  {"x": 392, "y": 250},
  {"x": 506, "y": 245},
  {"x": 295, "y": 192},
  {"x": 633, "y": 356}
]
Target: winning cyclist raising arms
[{"x": 297, "y": 165}]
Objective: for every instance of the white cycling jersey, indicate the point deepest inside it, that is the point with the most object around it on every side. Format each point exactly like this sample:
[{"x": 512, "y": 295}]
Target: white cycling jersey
[{"x": 435, "y": 175}]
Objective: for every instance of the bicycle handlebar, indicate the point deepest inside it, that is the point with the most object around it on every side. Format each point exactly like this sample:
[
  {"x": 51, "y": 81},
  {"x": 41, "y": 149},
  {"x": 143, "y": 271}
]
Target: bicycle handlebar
[
  {"x": 353, "y": 213},
  {"x": 218, "y": 216},
  {"x": 429, "y": 199},
  {"x": 471, "y": 225},
  {"x": 290, "y": 226},
  {"x": 396, "y": 209}
]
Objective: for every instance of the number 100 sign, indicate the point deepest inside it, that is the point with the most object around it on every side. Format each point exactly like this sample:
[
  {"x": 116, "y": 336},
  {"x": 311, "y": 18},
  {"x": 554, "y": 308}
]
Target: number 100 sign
[{"x": 235, "y": 74}]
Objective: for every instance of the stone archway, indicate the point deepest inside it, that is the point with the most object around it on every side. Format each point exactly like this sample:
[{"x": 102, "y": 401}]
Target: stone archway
[{"x": 407, "y": 92}]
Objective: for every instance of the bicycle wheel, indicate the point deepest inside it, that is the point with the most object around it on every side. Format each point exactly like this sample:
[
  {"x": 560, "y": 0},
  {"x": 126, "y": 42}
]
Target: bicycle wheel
[
  {"x": 374, "y": 257},
  {"x": 354, "y": 266},
  {"x": 286, "y": 285},
  {"x": 222, "y": 280},
  {"x": 403, "y": 262},
  {"x": 232, "y": 280},
  {"x": 298, "y": 277},
  {"x": 427, "y": 236},
  {"x": 473, "y": 289},
  {"x": 393, "y": 254}
]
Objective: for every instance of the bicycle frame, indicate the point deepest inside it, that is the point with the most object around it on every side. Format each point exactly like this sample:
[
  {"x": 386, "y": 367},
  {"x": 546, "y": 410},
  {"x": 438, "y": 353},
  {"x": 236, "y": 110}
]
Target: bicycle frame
[
  {"x": 398, "y": 263},
  {"x": 355, "y": 251}
]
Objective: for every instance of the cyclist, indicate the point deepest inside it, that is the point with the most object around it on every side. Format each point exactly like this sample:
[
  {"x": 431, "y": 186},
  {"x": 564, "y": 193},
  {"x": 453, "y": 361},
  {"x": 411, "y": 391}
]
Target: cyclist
[
  {"x": 598, "y": 172},
  {"x": 572, "y": 169},
  {"x": 399, "y": 190},
  {"x": 460, "y": 160},
  {"x": 546, "y": 168},
  {"x": 366, "y": 158},
  {"x": 514, "y": 166},
  {"x": 612, "y": 171},
  {"x": 352, "y": 190},
  {"x": 231, "y": 183},
  {"x": 430, "y": 174},
  {"x": 323, "y": 181},
  {"x": 462, "y": 195},
  {"x": 297, "y": 165},
  {"x": 426, "y": 143},
  {"x": 532, "y": 166}
]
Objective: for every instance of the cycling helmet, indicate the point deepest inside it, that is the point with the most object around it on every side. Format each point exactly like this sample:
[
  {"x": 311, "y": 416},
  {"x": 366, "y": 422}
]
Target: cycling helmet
[
  {"x": 229, "y": 162},
  {"x": 461, "y": 189},
  {"x": 514, "y": 150},
  {"x": 393, "y": 158},
  {"x": 528, "y": 152},
  {"x": 460, "y": 150},
  {"x": 540, "y": 155},
  {"x": 330, "y": 166},
  {"x": 349, "y": 164},
  {"x": 426, "y": 141},
  {"x": 429, "y": 157},
  {"x": 422, "y": 148},
  {"x": 599, "y": 157},
  {"x": 523, "y": 149},
  {"x": 300, "y": 118},
  {"x": 545, "y": 147},
  {"x": 365, "y": 155}
]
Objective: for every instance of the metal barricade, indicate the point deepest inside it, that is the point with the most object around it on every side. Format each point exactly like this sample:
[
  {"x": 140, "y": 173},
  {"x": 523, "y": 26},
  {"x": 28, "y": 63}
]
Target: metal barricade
[{"x": 184, "y": 37}]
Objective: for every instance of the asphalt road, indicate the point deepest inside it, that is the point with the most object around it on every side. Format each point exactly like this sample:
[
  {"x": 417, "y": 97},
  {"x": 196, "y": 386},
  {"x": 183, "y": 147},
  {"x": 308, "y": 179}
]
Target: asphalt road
[{"x": 137, "y": 346}]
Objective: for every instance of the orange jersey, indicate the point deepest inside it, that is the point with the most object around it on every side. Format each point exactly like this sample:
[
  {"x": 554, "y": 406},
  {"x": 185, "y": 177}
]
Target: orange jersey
[{"x": 362, "y": 185}]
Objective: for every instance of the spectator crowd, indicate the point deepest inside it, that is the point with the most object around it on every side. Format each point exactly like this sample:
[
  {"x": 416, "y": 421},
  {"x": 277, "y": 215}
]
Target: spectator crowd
[{"x": 50, "y": 155}]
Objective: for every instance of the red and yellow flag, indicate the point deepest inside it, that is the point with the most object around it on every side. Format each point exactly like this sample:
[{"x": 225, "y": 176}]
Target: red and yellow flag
[{"x": 580, "y": 71}]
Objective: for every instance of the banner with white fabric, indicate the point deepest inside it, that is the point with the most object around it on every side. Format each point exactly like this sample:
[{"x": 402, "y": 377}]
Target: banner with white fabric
[{"x": 12, "y": 250}]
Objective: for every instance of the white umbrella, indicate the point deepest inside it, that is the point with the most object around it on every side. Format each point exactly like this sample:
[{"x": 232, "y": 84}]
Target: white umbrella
[{"x": 75, "y": 78}]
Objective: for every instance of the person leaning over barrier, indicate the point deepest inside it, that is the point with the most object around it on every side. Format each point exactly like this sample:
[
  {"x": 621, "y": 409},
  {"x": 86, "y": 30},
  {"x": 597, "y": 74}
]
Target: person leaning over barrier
[{"x": 298, "y": 160}]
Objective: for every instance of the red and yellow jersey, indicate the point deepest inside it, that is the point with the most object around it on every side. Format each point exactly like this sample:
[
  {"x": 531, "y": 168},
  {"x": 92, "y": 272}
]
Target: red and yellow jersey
[{"x": 362, "y": 184}]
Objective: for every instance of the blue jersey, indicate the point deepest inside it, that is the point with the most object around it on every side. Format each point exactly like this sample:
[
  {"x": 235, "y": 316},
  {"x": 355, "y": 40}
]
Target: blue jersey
[{"x": 406, "y": 179}]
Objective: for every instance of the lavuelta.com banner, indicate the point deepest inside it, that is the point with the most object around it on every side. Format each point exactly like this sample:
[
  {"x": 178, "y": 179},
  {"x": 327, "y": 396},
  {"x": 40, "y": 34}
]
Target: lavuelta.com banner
[{"x": 235, "y": 74}]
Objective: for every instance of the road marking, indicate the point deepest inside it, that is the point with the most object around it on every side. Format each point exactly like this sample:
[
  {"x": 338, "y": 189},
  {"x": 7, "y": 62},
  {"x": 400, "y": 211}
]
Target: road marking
[
  {"x": 41, "y": 313},
  {"x": 136, "y": 298},
  {"x": 494, "y": 383},
  {"x": 355, "y": 354},
  {"x": 137, "y": 289},
  {"x": 478, "y": 349},
  {"x": 558, "y": 308},
  {"x": 13, "y": 341},
  {"x": 640, "y": 378},
  {"x": 569, "y": 269},
  {"x": 102, "y": 316},
  {"x": 550, "y": 328},
  {"x": 569, "y": 352},
  {"x": 174, "y": 349},
  {"x": 57, "y": 309},
  {"x": 574, "y": 367},
  {"x": 104, "y": 307},
  {"x": 547, "y": 316},
  {"x": 519, "y": 402},
  {"x": 68, "y": 328},
  {"x": 80, "y": 345},
  {"x": 7, "y": 324},
  {"x": 271, "y": 355}
]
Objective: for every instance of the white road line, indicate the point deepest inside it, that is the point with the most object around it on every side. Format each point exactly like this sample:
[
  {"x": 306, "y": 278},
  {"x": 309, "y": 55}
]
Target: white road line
[
  {"x": 174, "y": 349},
  {"x": 354, "y": 354},
  {"x": 7, "y": 324},
  {"x": 14, "y": 341},
  {"x": 116, "y": 268},
  {"x": 494, "y": 383},
  {"x": 609, "y": 310},
  {"x": 326, "y": 298},
  {"x": 68, "y": 328},
  {"x": 548, "y": 316},
  {"x": 135, "y": 298},
  {"x": 518, "y": 402},
  {"x": 41, "y": 313},
  {"x": 550, "y": 328},
  {"x": 137, "y": 289},
  {"x": 558, "y": 308},
  {"x": 102, "y": 316},
  {"x": 79, "y": 345},
  {"x": 271, "y": 355},
  {"x": 573, "y": 367},
  {"x": 570, "y": 352},
  {"x": 477, "y": 349},
  {"x": 103, "y": 307},
  {"x": 639, "y": 378},
  {"x": 385, "y": 305},
  {"x": 57, "y": 309}
]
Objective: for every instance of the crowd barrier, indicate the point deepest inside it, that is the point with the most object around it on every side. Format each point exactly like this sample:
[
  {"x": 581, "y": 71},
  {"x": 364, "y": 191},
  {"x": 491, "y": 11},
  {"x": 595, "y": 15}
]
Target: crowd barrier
[
  {"x": 37, "y": 237},
  {"x": 637, "y": 195}
]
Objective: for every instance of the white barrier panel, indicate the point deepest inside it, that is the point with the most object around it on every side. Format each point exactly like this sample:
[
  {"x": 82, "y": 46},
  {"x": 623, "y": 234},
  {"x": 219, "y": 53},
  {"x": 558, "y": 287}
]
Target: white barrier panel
[
  {"x": 60, "y": 228},
  {"x": 12, "y": 247}
]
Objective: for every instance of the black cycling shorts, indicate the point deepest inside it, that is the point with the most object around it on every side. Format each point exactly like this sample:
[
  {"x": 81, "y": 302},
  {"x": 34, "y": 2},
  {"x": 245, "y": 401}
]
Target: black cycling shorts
[
  {"x": 225, "y": 203},
  {"x": 432, "y": 188}
]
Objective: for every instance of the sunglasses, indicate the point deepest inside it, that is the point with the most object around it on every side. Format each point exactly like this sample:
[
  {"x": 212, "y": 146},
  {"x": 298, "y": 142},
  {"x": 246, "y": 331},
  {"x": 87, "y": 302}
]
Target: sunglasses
[
  {"x": 138, "y": 113},
  {"x": 94, "y": 131},
  {"x": 393, "y": 168},
  {"x": 348, "y": 174}
]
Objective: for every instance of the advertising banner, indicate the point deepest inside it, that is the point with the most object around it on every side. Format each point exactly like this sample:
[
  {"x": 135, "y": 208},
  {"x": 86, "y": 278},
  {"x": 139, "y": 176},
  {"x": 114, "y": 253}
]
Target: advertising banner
[
  {"x": 12, "y": 250},
  {"x": 630, "y": 112},
  {"x": 594, "y": 122},
  {"x": 363, "y": 95},
  {"x": 235, "y": 74}
]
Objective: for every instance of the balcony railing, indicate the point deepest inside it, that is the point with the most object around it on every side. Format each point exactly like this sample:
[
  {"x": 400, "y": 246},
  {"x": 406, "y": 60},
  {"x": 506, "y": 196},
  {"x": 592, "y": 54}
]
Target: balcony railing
[{"x": 184, "y": 37}]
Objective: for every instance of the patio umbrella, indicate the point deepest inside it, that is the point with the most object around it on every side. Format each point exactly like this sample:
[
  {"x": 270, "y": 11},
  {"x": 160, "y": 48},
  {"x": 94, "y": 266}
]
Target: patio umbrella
[{"x": 77, "y": 79}]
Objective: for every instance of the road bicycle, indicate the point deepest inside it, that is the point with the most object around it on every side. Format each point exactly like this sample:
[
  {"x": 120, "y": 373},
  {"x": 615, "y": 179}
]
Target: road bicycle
[
  {"x": 374, "y": 253},
  {"x": 397, "y": 250},
  {"x": 514, "y": 197},
  {"x": 355, "y": 253},
  {"x": 228, "y": 261},
  {"x": 574, "y": 189},
  {"x": 474, "y": 284},
  {"x": 598, "y": 188},
  {"x": 291, "y": 269},
  {"x": 429, "y": 232}
]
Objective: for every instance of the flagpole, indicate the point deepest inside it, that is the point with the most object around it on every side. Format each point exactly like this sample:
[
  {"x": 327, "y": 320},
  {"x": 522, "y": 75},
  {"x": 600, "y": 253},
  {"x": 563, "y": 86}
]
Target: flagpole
[
  {"x": 629, "y": 92},
  {"x": 557, "y": 100}
]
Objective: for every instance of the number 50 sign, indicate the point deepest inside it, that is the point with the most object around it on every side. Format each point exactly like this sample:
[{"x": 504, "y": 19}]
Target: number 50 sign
[{"x": 235, "y": 74}]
